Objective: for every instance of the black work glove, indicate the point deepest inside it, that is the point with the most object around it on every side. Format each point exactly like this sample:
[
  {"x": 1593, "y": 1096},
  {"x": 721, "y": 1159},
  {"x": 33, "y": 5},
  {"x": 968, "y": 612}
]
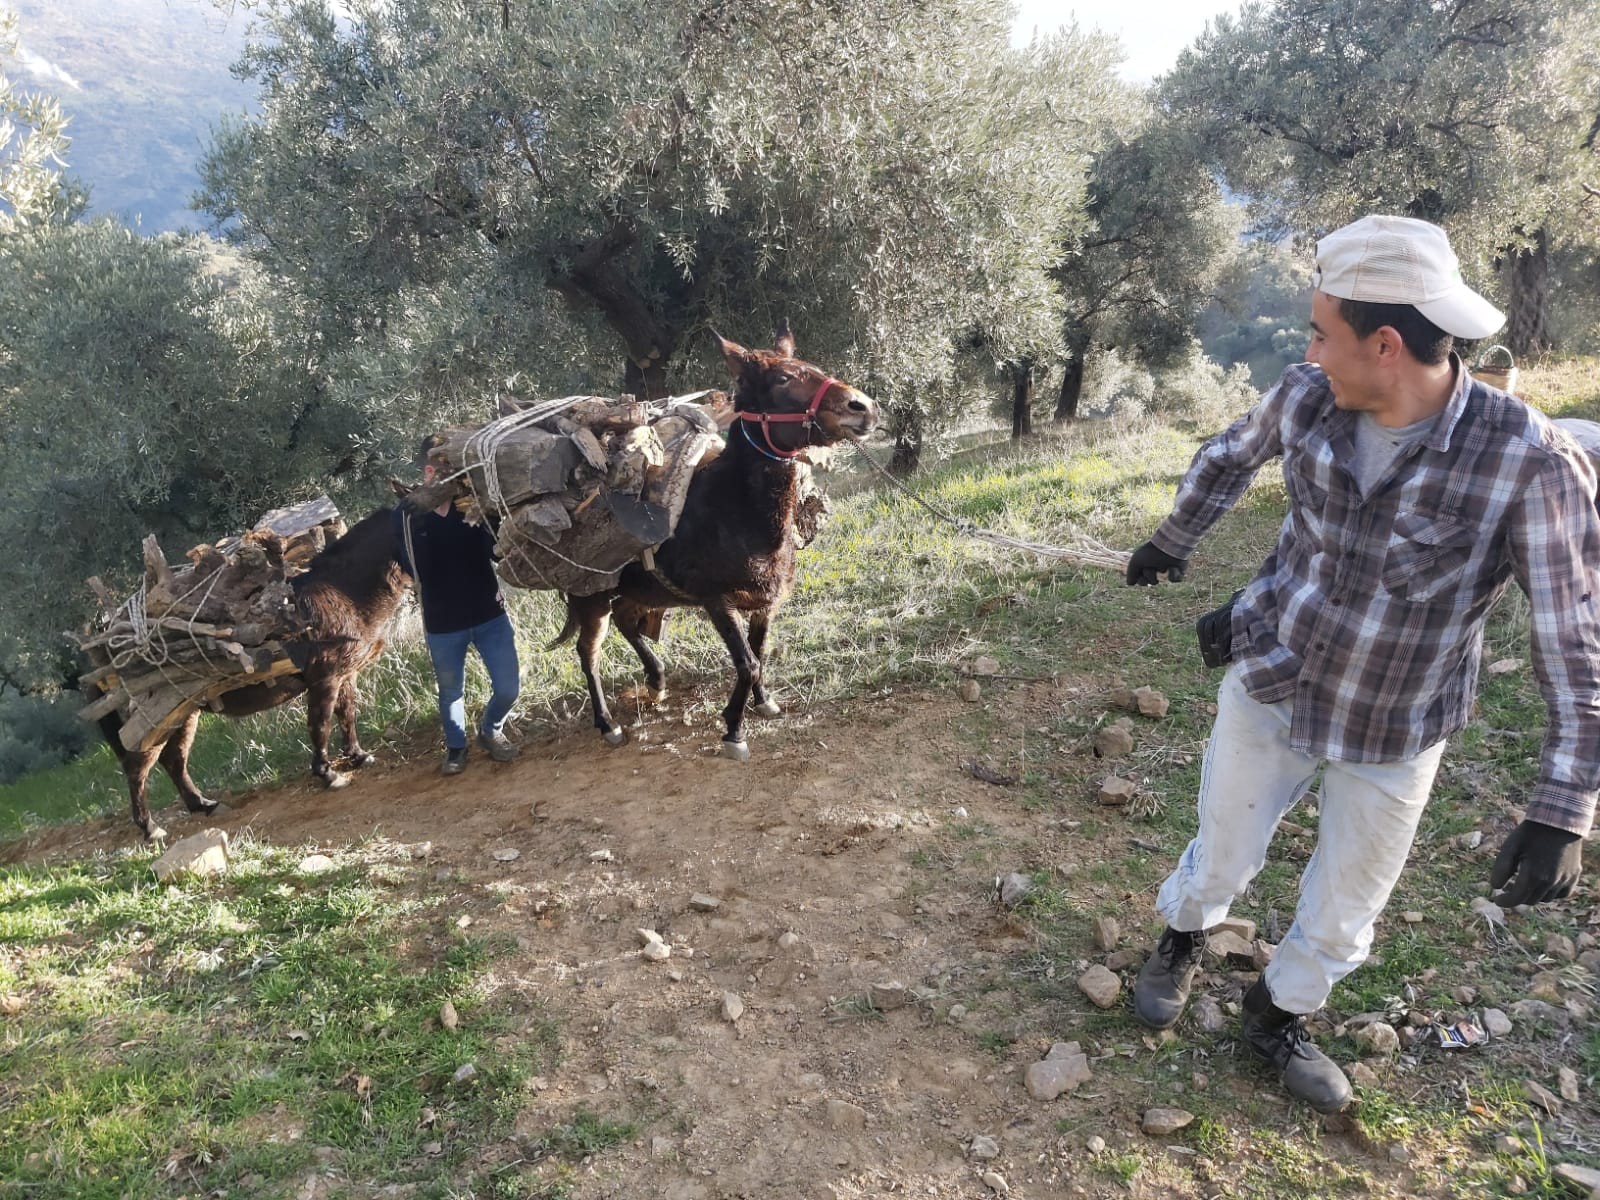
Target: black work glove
[
  {"x": 1148, "y": 560},
  {"x": 1545, "y": 860},
  {"x": 1215, "y": 631}
]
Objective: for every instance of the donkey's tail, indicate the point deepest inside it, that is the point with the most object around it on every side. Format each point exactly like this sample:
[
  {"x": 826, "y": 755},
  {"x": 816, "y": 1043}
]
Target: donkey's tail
[{"x": 568, "y": 631}]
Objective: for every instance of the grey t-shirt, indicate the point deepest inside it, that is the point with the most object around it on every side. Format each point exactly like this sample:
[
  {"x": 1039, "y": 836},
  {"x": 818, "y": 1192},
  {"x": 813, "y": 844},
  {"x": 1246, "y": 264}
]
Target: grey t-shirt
[{"x": 1377, "y": 446}]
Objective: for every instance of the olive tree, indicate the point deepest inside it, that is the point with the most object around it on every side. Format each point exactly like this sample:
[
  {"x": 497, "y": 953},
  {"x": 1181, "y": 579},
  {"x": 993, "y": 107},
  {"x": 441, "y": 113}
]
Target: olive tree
[{"x": 1479, "y": 114}]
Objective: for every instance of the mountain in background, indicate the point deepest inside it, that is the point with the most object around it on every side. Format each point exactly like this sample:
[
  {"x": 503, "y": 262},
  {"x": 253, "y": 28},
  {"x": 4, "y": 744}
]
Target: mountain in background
[{"x": 144, "y": 82}]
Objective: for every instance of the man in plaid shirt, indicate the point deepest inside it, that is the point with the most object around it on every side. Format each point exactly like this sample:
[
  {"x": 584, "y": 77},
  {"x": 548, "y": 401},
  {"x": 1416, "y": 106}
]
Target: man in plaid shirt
[{"x": 1415, "y": 495}]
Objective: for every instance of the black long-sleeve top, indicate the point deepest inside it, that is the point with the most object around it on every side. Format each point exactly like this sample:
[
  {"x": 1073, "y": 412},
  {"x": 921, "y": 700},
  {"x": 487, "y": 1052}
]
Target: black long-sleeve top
[{"x": 453, "y": 567}]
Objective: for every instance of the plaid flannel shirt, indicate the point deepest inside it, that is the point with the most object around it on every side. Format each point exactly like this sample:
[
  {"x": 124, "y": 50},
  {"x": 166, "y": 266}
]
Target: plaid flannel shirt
[{"x": 1369, "y": 614}]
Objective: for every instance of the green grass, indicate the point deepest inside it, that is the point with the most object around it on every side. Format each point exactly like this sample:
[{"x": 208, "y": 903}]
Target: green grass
[{"x": 219, "y": 1034}]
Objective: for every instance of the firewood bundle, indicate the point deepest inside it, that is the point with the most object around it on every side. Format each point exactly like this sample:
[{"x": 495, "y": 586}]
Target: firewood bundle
[
  {"x": 197, "y": 630},
  {"x": 575, "y": 488}
]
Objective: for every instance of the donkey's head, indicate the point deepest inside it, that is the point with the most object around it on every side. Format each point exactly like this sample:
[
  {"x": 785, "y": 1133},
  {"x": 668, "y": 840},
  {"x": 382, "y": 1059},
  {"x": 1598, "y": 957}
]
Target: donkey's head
[{"x": 784, "y": 405}]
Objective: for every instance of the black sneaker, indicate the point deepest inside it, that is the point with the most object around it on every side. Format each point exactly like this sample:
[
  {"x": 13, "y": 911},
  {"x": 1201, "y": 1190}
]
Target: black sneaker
[
  {"x": 498, "y": 747},
  {"x": 455, "y": 760},
  {"x": 1280, "y": 1038},
  {"x": 1162, "y": 988}
]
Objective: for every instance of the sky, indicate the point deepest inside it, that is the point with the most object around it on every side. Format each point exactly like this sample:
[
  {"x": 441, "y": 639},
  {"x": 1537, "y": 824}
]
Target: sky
[{"x": 1152, "y": 32}]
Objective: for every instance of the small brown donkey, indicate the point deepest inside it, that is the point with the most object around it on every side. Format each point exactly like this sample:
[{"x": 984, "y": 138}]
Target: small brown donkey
[
  {"x": 348, "y": 594},
  {"x": 733, "y": 550}
]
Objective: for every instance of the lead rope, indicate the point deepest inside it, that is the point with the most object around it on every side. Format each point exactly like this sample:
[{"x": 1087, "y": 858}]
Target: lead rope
[{"x": 1084, "y": 549}]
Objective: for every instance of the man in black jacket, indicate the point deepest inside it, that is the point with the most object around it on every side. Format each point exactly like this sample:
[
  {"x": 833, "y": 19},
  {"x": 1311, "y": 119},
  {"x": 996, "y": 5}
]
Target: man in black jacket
[{"x": 453, "y": 565}]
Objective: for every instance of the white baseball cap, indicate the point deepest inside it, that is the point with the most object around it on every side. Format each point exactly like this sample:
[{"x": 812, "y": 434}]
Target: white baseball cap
[{"x": 1400, "y": 260}]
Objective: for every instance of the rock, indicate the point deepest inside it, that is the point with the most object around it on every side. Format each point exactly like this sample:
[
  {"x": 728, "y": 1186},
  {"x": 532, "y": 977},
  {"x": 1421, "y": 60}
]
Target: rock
[
  {"x": 841, "y": 1114},
  {"x": 984, "y": 1147},
  {"x": 1362, "y": 1075},
  {"x": 1537, "y": 1012},
  {"x": 1063, "y": 1050},
  {"x": 602, "y": 856},
  {"x": 448, "y": 1017},
  {"x": 969, "y": 690},
  {"x": 985, "y": 665},
  {"x": 1121, "y": 960},
  {"x": 1412, "y": 917},
  {"x": 1465, "y": 994},
  {"x": 996, "y": 1183},
  {"x": 1471, "y": 840},
  {"x": 1559, "y": 945},
  {"x": 1378, "y": 1038},
  {"x": 1158, "y": 1122},
  {"x": 1107, "y": 933},
  {"x": 1096, "y": 1144},
  {"x": 647, "y": 936},
  {"x": 1151, "y": 703},
  {"x": 1488, "y": 910},
  {"x": 1547, "y": 986},
  {"x": 1230, "y": 947},
  {"x": 788, "y": 940},
  {"x": 507, "y": 854},
  {"x": 1048, "y": 1078},
  {"x": 1585, "y": 1179},
  {"x": 656, "y": 952},
  {"x": 1496, "y": 1022},
  {"x": 701, "y": 902},
  {"x": 1261, "y": 952},
  {"x": 465, "y": 1073},
  {"x": 1013, "y": 888},
  {"x": 1116, "y": 791},
  {"x": 1243, "y": 926},
  {"x": 886, "y": 997},
  {"x": 957, "y": 1011},
  {"x": 1100, "y": 985},
  {"x": 1399, "y": 1154},
  {"x": 203, "y": 853},
  {"x": 1542, "y": 1096},
  {"x": 314, "y": 864},
  {"x": 1114, "y": 741},
  {"x": 1569, "y": 1085},
  {"x": 732, "y": 1006},
  {"x": 1208, "y": 1015}
]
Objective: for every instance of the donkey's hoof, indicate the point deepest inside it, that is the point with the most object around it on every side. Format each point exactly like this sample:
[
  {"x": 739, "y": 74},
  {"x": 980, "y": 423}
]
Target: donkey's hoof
[
  {"x": 768, "y": 708},
  {"x": 202, "y": 806},
  {"x": 655, "y": 695},
  {"x": 615, "y": 737},
  {"x": 737, "y": 751},
  {"x": 334, "y": 781},
  {"x": 359, "y": 759},
  {"x": 155, "y": 834}
]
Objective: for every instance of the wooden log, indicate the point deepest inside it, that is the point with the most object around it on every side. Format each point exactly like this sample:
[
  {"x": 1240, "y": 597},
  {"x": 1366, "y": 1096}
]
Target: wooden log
[{"x": 106, "y": 704}]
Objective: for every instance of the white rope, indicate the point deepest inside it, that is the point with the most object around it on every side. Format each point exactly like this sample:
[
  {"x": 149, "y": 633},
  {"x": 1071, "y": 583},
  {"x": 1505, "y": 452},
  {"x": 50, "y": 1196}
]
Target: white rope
[{"x": 1084, "y": 549}]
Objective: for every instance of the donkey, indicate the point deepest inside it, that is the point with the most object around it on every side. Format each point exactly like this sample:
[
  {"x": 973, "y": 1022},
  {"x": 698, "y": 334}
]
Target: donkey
[
  {"x": 733, "y": 550},
  {"x": 348, "y": 594}
]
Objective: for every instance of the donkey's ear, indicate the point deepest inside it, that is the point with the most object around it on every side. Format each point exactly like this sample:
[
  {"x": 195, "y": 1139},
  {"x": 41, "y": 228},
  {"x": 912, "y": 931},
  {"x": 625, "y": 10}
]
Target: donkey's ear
[
  {"x": 783, "y": 340},
  {"x": 735, "y": 355}
]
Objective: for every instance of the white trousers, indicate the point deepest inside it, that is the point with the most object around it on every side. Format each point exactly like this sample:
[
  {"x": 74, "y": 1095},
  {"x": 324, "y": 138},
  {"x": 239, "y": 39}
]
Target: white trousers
[{"x": 1369, "y": 813}]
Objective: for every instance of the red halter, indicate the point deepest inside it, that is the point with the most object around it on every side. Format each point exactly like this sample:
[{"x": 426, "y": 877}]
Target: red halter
[{"x": 808, "y": 417}]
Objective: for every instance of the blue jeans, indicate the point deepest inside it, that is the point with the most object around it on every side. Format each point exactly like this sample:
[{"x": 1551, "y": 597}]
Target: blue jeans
[{"x": 497, "y": 646}]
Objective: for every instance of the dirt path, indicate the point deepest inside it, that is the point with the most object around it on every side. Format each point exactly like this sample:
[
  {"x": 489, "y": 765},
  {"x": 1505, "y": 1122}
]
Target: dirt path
[{"x": 843, "y": 831}]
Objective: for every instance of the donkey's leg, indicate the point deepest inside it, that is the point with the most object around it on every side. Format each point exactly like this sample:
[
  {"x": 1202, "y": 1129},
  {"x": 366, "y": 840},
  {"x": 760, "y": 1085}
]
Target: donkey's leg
[
  {"x": 136, "y": 765},
  {"x": 748, "y": 667},
  {"x": 175, "y": 759},
  {"x": 321, "y": 696},
  {"x": 594, "y": 619},
  {"x": 345, "y": 710},
  {"x": 632, "y": 621},
  {"x": 764, "y": 705}
]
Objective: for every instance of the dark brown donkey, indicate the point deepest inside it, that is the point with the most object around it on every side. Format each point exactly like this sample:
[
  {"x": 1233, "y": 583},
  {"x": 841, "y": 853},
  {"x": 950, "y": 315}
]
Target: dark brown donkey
[
  {"x": 733, "y": 550},
  {"x": 348, "y": 595}
]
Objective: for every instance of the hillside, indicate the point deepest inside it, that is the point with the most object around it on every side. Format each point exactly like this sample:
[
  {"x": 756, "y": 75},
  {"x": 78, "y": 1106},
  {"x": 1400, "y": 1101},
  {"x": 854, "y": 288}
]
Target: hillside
[{"x": 144, "y": 82}]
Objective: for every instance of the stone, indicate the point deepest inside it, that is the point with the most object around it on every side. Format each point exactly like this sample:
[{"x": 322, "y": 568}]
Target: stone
[
  {"x": 448, "y": 1017},
  {"x": 1114, "y": 741},
  {"x": 315, "y": 864},
  {"x": 1362, "y": 1075},
  {"x": 1151, "y": 703},
  {"x": 1465, "y": 994},
  {"x": 203, "y": 853},
  {"x": 1121, "y": 960},
  {"x": 1230, "y": 947},
  {"x": 1585, "y": 1179},
  {"x": 1559, "y": 945},
  {"x": 1013, "y": 888},
  {"x": 1243, "y": 926},
  {"x": 996, "y": 1183},
  {"x": 1378, "y": 1038},
  {"x": 1412, "y": 917},
  {"x": 984, "y": 1147},
  {"x": 1208, "y": 1015},
  {"x": 1096, "y": 1144},
  {"x": 1261, "y": 952},
  {"x": 1488, "y": 910},
  {"x": 1158, "y": 1122},
  {"x": 788, "y": 940},
  {"x": 647, "y": 936},
  {"x": 732, "y": 1006},
  {"x": 1116, "y": 791},
  {"x": 969, "y": 690},
  {"x": 1538, "y": 1094},
  {"x": 1569, "y": 1084},
  {"x": 985, "y": 665},
  {"x": 886, "y": 997},
  {"x": 1399, "y": 1154},
  {"x": 841, "y": 1114},
  {"x": 701, "y": 902},
  {"x": 507, "y": 854},
  {"x": 656, "y": 952},
  {"x": 1100, "y": 985},
  {"x": 1107, "y": 933},
  {"x": 1547, "y": 986},
  {"x": 1496, "y": 1022},
  {"x": 1063, "y": 1050},
  {"x": 465, "y": 1073},
  {"x": 1537, "y": 1012},
  {"x": 957, "y": 1012},
  {"x": 1050, "y": 1077}
]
